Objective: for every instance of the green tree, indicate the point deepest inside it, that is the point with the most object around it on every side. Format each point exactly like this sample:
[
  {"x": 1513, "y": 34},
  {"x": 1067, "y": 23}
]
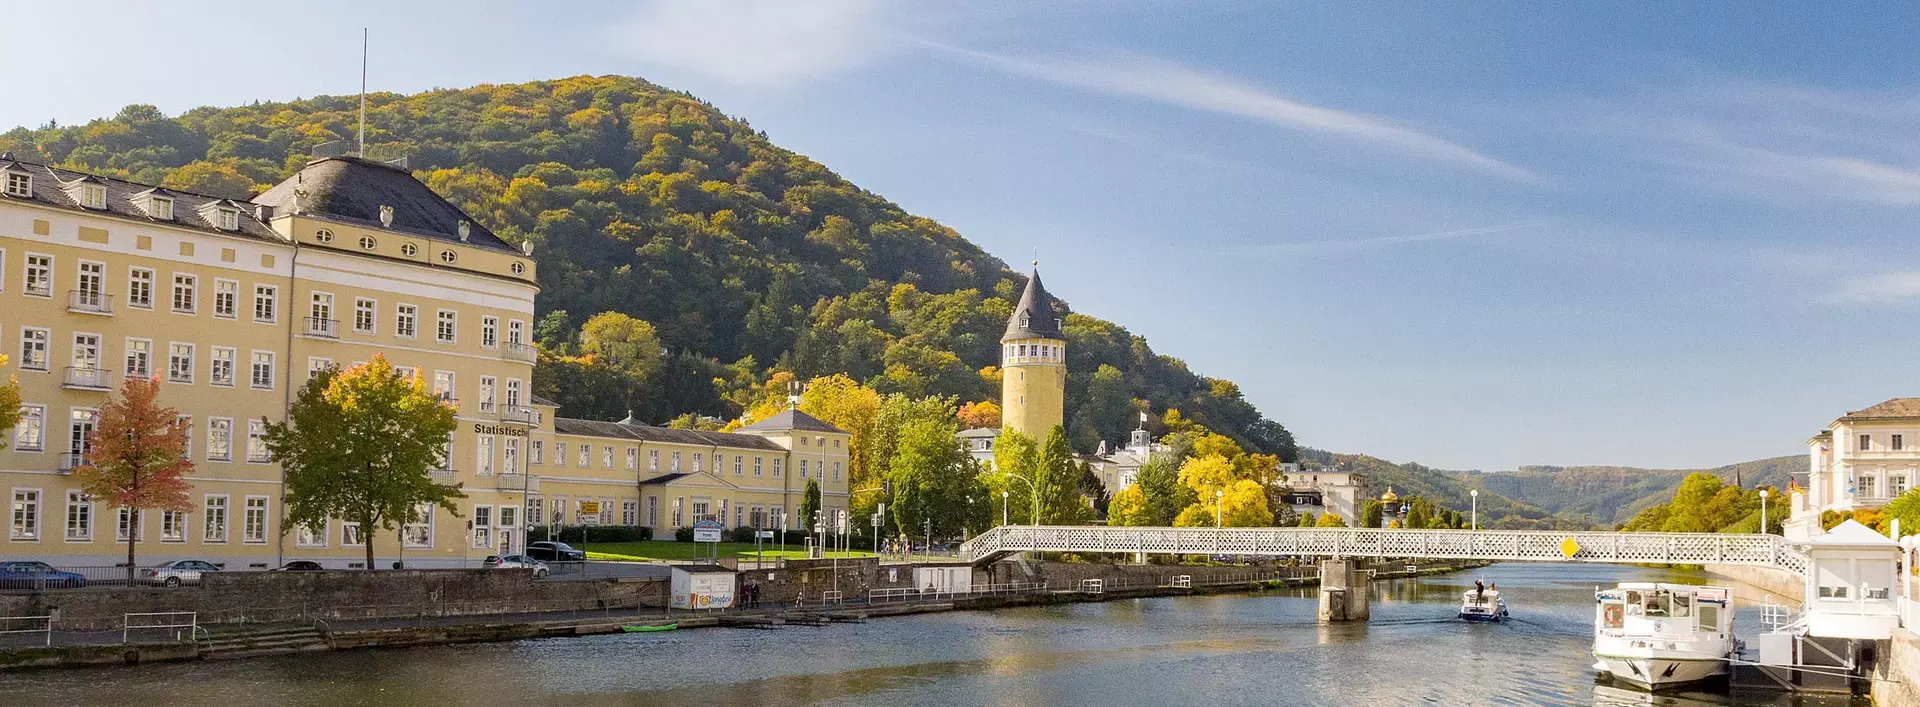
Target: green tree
[
  {"x": 934, "y": 480},
  {"x": 1329, "y": 520},
  {"x": 810, "y": 504},
  {"x": 342, "y": 457},
  {"x": 1905, "y": 507},
  {"x": 1417, "y": 515},
  {"x": 1370, "y": 515},
  {"x": 1688, "y": 513},
  {"x": 627, "y": 344},
  {"x": 1307, "y": 520},
  {"x": 1159, "y": 483},
  {"x": 136, "y": 458},
  {"x": 9, "y": 399},
  {"x": 1015, "y": 455},
  {"x": 1058, "y": 483}
]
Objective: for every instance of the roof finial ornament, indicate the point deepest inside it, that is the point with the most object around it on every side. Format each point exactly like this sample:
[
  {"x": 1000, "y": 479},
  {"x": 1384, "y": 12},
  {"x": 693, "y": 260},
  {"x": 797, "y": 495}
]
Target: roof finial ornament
[
  {"x": 386, "y": 216},
  {"x": 465, "y": 229}
]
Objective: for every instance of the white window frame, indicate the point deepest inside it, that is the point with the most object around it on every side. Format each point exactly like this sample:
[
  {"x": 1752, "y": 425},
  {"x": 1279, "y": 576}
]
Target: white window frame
[
  {"x": 488, "y": 384},
  {"x": 79, "y": 508},
  {"x": 217, "y": 361},
  {"x": 446, "y": 326},
  {"x": 208, "y": 532},
  {"x": 248, "y": 528},
  {"x": 254, "y": 369},
  {"x": 145, "y": 368},
  {"x": 36, "y": 340},
  {"x": 257, "y": 442},
  {"x": 124, "y": 517},
  {"x": 19, "y": 184},
  {"x": 308, "y": 536},
  {"x": 266, "y": 297},
  {"x": 43, "y": 269},
  {"x": 406, "y": 321},
  {"x": 176, "y": 373},
  {"x": 489, "y": 332},
  {"x": 483, "y": 455},
  {"x": 482, "y": 535},
  {"x": 228, "y": 291},
  {"x": 219, "y": 445},
  {"x": 37, "y": 414},
  {"x": 139, "y": 279},
  {"x": 24, "y": 515},
  {"x": 366, "y": 315},
  {"x": 191, "y": 289},
  {"x": 173, "y": 526}
]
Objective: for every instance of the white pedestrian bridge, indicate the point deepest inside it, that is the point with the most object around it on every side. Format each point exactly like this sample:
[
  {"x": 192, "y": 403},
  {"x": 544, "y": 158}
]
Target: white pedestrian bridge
[{"x": 1510, "y": 545}]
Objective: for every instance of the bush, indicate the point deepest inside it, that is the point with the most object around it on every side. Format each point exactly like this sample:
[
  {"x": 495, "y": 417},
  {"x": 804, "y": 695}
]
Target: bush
[
  {"x": 683, "y": 535},
  {"x": 572, "y": 534}
]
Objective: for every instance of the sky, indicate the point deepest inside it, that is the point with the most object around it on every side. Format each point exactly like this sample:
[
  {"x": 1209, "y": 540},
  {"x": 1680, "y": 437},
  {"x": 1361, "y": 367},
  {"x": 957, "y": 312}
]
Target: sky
[{"x": 1475, "y": 235}]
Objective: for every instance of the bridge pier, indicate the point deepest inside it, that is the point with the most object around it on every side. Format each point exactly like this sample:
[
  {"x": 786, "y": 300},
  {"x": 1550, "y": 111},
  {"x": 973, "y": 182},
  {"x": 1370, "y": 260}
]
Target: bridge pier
[{"x": 1346, "y": 591}]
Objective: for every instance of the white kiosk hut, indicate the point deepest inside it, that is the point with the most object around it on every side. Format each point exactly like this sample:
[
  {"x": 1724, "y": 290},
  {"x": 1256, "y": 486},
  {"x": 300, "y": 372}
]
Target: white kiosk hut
[
  {"x": 1851, "y": 586},
  {"x": 702, "y": 587}
]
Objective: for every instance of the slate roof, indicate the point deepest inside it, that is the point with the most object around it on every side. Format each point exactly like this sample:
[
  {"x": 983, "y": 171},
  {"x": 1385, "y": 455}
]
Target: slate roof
[
  {"x": 977, "y": 432},
  {"x": 1894, "y": 409},
  {"x": 791, "y": 419},
  {"x": 352, "y": 190},
  {"x": 47, "y": 183},
  {"x": 1033, "y": 317},
  {"x": 648, "y": 433}
]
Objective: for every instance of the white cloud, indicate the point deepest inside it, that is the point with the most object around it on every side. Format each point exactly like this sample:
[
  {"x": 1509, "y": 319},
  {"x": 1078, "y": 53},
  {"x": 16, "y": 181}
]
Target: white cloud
[
  {"x": 1880, "y": 288},
  {"x": 1352, "y": 244},
  {"x": 1165, "y": 82},
  {"x": 761, "y": 43}
]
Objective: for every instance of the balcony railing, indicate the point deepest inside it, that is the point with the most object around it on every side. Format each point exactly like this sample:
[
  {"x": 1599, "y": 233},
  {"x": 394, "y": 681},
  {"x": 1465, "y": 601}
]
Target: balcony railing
[
  {"x": 88, "y": 379},
  {"x": 523, "y": 353},
  {"x": 69, "y": 462},
  {"x": 520, "y": 414},
  {"x": 329, "y": 328},
  {"x": 89, "y": 302},
  {"x": 517, "y": 482}
]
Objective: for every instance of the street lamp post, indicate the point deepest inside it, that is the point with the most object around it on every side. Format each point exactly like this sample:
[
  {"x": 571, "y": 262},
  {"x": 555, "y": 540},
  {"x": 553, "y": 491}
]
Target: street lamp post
[
  {"x": 1476, "y": 507},
  {"x": 1217, "y": 509},
  {"x": 1763, "y": 511},
  {"x": 1004, "y": 500},
  {"x": 1036, "y": 496}
]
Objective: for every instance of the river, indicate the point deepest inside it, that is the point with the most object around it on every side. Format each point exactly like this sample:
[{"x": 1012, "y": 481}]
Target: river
[{"x": 1252, "y": 649}]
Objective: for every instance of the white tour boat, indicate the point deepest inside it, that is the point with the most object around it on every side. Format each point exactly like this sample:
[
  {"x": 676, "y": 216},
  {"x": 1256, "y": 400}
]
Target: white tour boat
[
  {"x": 1482, "y": 605},
  {"x": 1655, "y": 635}
]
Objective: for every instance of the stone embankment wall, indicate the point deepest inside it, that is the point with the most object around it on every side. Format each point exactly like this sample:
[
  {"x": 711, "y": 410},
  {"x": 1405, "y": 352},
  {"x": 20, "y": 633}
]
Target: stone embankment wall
[
  {"x": 255, "y": 597},
  {"x": 806, "y": 580},
  {"x": 1785, "y": 587},
  {"x": 1896, "y": 677}
]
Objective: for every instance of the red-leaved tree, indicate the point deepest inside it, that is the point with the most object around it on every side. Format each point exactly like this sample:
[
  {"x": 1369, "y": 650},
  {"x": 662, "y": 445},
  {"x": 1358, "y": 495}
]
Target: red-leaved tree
[{"x": 136, "y": 457}]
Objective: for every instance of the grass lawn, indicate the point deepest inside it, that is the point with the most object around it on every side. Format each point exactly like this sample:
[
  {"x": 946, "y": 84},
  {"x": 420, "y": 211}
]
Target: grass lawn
[{"x": 667, "y": 550}]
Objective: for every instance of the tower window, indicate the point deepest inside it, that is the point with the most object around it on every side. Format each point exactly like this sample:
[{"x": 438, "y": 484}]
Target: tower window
[{"x": 1025, "y": 319}]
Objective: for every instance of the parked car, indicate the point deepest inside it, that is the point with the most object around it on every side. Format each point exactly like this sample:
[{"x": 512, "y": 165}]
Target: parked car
[
  {"x": 299, "y": 566},
  {"x": 513, "y": 562},
  {"x": 37, "y": 575},
  {"x": 177, "y": 572},
  {"x": 555, "y": 551}
]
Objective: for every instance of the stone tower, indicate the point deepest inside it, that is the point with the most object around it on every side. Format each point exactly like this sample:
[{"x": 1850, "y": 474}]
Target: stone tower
[{"x": 1033, "y": 363}]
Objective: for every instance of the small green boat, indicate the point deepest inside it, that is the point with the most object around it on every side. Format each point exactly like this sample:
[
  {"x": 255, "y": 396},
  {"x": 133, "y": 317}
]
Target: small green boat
[{"x": 649, "y": 629}]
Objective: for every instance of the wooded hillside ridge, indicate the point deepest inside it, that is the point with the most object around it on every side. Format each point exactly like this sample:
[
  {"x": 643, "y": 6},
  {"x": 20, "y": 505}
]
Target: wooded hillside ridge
[{"x": 727, "y": 257}]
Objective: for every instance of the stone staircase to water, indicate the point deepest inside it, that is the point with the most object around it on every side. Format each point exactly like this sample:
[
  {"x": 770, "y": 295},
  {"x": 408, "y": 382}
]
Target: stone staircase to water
[{"x": 292, "y": 639}]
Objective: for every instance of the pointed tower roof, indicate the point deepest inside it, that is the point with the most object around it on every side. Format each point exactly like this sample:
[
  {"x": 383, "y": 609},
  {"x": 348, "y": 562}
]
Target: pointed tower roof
[{"x": 1033, "y": 316}]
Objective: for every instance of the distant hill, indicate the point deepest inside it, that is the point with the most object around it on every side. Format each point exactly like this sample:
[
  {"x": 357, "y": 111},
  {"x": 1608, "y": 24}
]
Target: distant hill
[
  {"x": 1452, "y": 489},
  {"x": 1610, "y": 495}
]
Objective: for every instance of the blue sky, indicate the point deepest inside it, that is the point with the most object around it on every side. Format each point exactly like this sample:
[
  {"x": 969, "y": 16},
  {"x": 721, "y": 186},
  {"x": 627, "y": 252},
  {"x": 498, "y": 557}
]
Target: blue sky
[{"x": 1475, "y": 236}]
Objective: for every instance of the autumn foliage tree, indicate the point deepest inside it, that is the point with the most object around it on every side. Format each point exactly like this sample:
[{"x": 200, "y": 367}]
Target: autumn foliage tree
[
  {"x": 358, "y": 445},
  {"x": 981, "y": 415},
  {"x": 136, "y": 457},
  {"x": 9, "y": 399}
]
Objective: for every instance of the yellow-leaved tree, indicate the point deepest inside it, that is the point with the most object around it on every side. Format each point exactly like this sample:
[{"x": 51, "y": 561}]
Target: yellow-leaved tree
[{"x": 1129, "y": 507}]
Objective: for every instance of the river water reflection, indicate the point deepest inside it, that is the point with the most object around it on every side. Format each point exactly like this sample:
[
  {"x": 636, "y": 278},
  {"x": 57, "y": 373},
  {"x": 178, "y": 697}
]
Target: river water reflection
[{"x": 1261, "y": 649}]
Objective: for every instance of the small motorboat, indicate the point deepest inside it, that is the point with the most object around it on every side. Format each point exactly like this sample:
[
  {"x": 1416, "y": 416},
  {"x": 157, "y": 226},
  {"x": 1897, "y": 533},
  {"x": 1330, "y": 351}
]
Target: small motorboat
[
  {"x": 1656, "y": 635},
  {"x": 1482, "y": 605},
  {"x": 643, "y": 628}
]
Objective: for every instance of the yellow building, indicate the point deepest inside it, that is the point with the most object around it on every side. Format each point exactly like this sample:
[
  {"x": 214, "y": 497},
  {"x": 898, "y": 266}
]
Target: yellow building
[
  {"x": 1033, "y": 365},
  {"x": 231, "y": 304}
]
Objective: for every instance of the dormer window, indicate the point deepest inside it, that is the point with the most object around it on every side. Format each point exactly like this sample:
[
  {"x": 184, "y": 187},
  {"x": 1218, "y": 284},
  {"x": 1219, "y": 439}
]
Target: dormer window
[
  {"x": 226, "y": 219},
  {"x": 1025, "y": 319},
  {"x": 93, "y": 196},
  {"x": 19, "y": 184},
  {"x": 160, "y": 208}
]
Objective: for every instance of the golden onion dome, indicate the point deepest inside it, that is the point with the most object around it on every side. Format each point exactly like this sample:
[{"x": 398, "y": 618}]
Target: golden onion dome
[{"x": 1389, "y": 496}]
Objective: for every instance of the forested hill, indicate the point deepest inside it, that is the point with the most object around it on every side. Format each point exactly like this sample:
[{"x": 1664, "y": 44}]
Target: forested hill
[
  {"x": 1610, "y": 495},
  {"x": 745, "y": 258}
]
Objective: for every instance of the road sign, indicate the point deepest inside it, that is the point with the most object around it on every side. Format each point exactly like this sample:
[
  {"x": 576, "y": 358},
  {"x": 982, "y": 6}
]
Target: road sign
[
  {"x": 707, "y": 531},
  {"x": 589, "y": 508},
  {"x": 765, "y": 534},
  {"x": 590, "y": 519}
]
